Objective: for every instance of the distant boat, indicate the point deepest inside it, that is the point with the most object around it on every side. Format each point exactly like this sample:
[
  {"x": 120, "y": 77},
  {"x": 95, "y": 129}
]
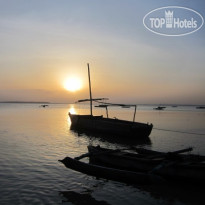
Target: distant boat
[
  {"x": 200, "y": 107},
  {"x": 108, "y": 125},
  {"x": 159, "y": 108},
  {"x": 44, "y": 106}
]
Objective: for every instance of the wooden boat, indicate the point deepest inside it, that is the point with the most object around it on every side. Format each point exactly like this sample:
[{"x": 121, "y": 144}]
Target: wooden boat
[
  {"x": 111, "y": 173},
  {"x": 108, "y": 125},
  {"x": 120, "y": 159},
  {"x": 171, "y": 166}
]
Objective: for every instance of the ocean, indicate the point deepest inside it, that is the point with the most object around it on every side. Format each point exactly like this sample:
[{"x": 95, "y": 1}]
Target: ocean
[{"x": 33, "y": 139}]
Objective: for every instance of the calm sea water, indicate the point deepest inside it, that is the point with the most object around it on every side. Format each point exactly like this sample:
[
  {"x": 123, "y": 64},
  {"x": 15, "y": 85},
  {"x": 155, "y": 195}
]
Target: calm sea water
[{"x": 32, "y": 139}]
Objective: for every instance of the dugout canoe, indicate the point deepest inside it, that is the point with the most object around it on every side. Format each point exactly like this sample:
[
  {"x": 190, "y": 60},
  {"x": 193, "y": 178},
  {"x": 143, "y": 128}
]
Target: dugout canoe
[
  {"x": 111, "y": 173},
  {"x": 174, "y": 167}
]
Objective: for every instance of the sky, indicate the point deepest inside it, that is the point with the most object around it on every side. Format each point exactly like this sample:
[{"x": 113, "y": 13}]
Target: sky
[{"x": 44, "y": 42}]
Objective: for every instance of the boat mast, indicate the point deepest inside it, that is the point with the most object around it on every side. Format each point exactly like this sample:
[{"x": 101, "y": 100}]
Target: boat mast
[
  {"x": 134, "y": 112},
  {"x": 91, "y": 100}
]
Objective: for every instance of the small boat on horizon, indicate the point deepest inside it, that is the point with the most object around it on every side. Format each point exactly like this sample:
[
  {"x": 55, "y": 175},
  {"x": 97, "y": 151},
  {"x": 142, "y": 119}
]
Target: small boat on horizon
[
  {"x": 200, "y": 107},
  {"x": 44, "y": 106},
  {"x": 109, "y": 126},
  {"x": 159, "y": 108}
]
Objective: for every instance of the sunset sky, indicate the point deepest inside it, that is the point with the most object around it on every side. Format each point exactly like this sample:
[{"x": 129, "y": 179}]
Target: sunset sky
[{"x": 44, "y": 42}]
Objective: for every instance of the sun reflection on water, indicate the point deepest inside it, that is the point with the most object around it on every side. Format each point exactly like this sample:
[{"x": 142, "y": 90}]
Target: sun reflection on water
[{"x": 72, "y": 110}]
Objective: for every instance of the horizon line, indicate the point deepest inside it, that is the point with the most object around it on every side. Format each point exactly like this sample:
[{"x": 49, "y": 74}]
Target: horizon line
[{"x": 44, "y": 102}]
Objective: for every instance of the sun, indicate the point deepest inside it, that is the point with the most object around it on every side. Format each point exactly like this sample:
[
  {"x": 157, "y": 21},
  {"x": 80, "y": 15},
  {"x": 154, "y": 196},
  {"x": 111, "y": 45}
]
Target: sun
[{"x": 72, "y": 84}]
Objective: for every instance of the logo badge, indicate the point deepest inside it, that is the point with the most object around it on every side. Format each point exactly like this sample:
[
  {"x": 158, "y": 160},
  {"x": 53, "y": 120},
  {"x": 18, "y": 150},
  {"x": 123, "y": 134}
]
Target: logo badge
[{"x": 173, "y": 21}]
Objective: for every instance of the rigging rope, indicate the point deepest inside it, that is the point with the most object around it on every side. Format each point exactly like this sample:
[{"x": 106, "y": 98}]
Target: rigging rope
[{"x": 179, "y": 131}]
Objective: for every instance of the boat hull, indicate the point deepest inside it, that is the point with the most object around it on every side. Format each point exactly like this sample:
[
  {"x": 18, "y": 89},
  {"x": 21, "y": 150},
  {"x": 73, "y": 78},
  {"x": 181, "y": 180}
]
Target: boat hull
[
  {"x": 175, "y": 169},
  {"x": 110, "y": 173},
  {"x": 110, "y": 126}
]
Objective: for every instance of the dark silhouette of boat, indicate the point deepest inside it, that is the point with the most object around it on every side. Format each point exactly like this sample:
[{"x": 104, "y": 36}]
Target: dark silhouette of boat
[
  {"x": 159, "y": 108},
  {"x": 200, "y": 107},
  {"x": 114, "y": 127},
  {"x": 108, "y": 125},
  {"x": 143, "y": 168},
  {"x": 111, "y": 173},
  {"x": 171, "y": 166},
  {"x": 44, "y": 106}
]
